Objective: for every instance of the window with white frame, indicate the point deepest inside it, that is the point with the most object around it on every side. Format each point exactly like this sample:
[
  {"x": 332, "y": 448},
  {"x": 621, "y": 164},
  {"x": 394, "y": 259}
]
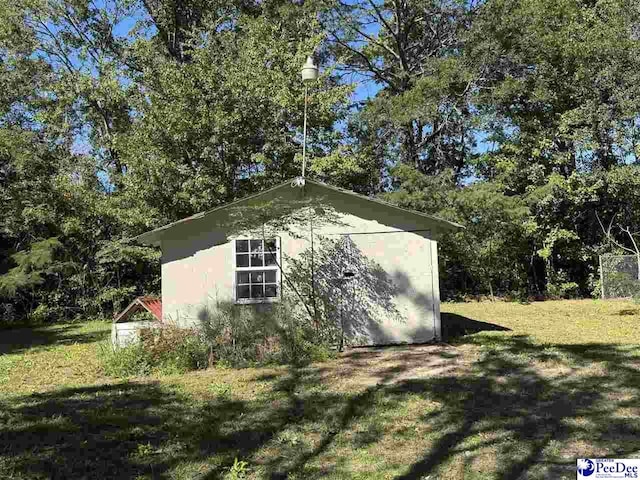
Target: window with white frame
[{"x": 257, "y": 271}]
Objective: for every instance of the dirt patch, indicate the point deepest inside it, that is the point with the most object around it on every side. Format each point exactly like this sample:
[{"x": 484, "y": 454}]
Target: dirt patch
[{"x": 373, "y": 366}]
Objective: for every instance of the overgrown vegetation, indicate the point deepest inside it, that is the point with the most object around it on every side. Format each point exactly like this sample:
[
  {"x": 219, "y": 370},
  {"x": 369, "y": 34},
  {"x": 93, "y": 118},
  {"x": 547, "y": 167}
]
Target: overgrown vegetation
[
  {"x": 529, "y": 389},
  {"x": 163, "y": 350},
  {"x": 227, "y": 335},
  {"x": 248, "y": 335}
]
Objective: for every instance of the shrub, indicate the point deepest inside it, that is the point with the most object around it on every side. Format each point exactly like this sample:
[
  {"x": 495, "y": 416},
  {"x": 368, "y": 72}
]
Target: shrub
[
  {"x": 563, "y": 290},
  {"x": 166, "y": 350},
  {"x": 229, "y": 335},
  {"x": 242, "y": 335},
  {"x": 8, "y": 315},
  {"x": 172, "y": 349},
  {"x": 129, "y": 361},
  {"x": 300, "y": 342}
]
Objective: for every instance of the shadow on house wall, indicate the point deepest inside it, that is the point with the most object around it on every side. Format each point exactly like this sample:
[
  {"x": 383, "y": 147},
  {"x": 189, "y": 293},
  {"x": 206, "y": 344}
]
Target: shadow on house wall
[
  {"x": 213, "y": 229},
  {"x": 350, "y": 289},
  {"x": 353, "y": 291},
  {"x": 354, "y": 297}
]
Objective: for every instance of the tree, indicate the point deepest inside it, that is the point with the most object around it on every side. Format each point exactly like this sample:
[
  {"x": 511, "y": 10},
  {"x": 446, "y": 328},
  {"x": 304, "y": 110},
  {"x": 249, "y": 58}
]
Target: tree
[
  {"x": 491, "y": 255},
  {"x": 226, "y": 123},
  {"x": 414, "y": 52},
  {"x": 560, "y": 93}
]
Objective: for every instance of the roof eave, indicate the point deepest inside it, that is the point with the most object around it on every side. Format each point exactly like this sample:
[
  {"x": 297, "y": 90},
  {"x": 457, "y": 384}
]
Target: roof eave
[
  {"x": 446, "y": 224},
  {"x": 152, "y": 237}
]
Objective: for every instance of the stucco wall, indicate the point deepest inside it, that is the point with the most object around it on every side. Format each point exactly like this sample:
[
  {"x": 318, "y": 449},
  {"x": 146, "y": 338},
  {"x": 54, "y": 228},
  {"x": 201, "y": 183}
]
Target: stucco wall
[{"x": 393, "y": 297}]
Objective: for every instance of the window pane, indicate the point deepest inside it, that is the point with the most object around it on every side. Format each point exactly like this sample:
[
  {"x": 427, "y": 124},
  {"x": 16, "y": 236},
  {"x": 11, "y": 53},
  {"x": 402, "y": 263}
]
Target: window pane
[
  {"x": 256, "y": 260},
  {"x": 256, "y": 245},
  {"x": 242, "y": 260},
  {"x": 270, "y": 276},
  {"x": 257, "y": 291},
  {"x": 242, "y": 277},
  {"x": 242, "y": 245},
  {"x": 270, "y": 245},
  {"x": 242, "y": 291},
  {"x": 271, "y": 290},
  {"x": 257, "y": 277},
  {"x": 270, "y": 259}
]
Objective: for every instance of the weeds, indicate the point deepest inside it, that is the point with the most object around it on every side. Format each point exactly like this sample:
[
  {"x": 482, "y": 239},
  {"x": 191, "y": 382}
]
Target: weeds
[
  {"x": 238, "y": 470},
  {"x": 167, "y": 350}
]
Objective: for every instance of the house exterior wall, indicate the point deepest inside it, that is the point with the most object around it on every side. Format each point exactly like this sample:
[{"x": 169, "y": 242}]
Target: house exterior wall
[{"x": 392, "y": 298}]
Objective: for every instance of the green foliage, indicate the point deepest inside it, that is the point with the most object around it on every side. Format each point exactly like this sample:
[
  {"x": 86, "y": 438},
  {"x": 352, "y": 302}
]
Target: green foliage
[
  {"x": 485, "y": 257},
  {"x": 562, "y": 289},
  {"x": 165, "y": 350},
  {"x": 300, "y": 342},
  {"x": 517, "y": 118},
  {"x": 413, "y": 52},
  {"x": 105, "y": 135},
  {"x": 239, "y": 335},
  {"x": 172, "y": 349},
  {"x": 564, "y": 75},
  {"x": 242, "y": 335},
  {"x": 31, "y": 267},
  {"x": 129, "y": 361},
  {"x": 238, "y": 470}
]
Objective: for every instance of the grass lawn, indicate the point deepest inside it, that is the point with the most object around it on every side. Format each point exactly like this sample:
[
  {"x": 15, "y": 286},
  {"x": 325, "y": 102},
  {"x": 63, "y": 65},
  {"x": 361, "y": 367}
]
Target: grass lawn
[{"x": 526, "y": 390}]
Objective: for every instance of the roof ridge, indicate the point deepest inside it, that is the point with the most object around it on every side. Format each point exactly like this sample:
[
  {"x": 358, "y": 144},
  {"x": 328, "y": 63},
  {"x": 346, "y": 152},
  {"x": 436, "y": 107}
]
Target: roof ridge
[{"x": 290, "y": 182}]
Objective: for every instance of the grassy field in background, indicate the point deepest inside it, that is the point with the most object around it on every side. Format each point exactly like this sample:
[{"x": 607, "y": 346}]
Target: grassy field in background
[
  {"x": 559, "y": 321},
  {"x": 517, "y": 392}
]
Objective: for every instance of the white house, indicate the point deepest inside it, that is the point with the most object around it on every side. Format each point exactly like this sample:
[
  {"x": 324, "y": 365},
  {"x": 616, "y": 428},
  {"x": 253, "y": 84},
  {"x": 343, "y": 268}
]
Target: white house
[{"x": 377, "y": 261}]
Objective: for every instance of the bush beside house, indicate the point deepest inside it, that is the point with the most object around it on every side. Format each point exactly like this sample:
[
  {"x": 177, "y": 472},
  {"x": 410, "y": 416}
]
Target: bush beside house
[{"x": 228, "y": 335}]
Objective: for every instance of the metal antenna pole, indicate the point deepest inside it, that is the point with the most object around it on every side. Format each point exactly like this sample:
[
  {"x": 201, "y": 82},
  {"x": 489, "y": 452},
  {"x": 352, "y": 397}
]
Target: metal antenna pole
[{"x": 304, "y": 132}]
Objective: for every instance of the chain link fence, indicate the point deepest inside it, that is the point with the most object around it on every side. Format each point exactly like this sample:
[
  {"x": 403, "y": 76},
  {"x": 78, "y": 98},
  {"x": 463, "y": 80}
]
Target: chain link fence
[{"x": 620, "y": 276}]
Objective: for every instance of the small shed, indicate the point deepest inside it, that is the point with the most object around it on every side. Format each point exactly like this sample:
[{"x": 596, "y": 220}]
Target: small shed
[
  {"x": 376, "y": 262},
  {"x": 127, "y": 324}
]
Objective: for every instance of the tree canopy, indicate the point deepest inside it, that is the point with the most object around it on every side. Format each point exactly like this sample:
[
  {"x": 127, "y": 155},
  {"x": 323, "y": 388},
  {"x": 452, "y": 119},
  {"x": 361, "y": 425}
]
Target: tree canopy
[{"x": 518, "y": 118}]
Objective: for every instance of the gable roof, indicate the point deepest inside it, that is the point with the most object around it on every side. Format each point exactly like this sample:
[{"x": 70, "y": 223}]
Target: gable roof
[
  {"x": 153, "y": 305},
  {"x": 151, "y": 237}
]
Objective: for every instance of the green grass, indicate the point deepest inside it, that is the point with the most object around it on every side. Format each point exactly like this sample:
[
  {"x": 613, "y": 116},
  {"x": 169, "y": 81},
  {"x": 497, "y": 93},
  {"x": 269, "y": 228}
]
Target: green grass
[
  {"x": 46, "y": 358},
  {"x": 560, "y": 321},
  {"x": 535, "y": 387}
]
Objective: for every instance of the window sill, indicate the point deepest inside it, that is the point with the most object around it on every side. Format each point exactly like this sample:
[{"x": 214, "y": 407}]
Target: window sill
[{"x": 252, "y": 301}]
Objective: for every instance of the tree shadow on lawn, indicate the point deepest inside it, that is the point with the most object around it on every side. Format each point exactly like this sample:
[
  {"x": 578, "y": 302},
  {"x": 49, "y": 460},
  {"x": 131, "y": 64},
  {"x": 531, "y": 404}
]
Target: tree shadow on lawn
[
  {"x": 144, "y": 429},
  {"x": 522, "y": 410},
  {"x": 534, "y": 408},
  {"x": 530, "y": 409},
  {"x": 122, "y": 431},
  {"x": 454, "y": 326},
  {"x": 28, "y": 338},
  {"x": 548, "y": 404}
]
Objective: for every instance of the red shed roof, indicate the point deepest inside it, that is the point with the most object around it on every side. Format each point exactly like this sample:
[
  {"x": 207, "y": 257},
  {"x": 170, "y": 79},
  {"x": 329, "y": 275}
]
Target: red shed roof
[{"x": 153, "y": 305}]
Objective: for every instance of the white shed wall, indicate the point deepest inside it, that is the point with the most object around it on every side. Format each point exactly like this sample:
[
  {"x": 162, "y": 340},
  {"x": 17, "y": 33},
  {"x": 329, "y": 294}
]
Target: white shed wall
[
  {"x": 198, "y": 270},
  {"x": 125, "y": 333}
]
